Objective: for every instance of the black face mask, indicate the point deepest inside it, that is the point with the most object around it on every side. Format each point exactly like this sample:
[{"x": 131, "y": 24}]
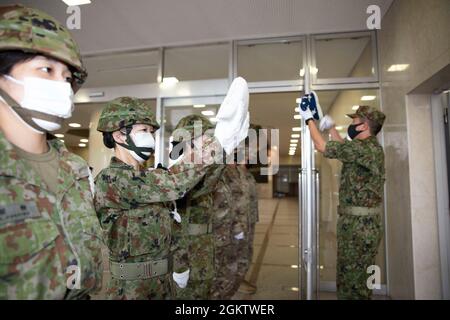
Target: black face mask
[{"x": 352, "y": 132}]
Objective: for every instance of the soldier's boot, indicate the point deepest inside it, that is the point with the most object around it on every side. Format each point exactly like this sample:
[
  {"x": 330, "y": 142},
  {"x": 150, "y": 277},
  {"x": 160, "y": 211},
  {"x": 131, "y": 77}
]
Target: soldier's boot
[{"x": 247, "y": 288}]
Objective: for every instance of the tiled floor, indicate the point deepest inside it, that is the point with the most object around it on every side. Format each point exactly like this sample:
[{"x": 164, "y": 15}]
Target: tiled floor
[{"x": 275, "y": 260}]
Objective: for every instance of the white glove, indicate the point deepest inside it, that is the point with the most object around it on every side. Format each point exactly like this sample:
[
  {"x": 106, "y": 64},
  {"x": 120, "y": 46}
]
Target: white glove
[
  {"x": 181, "y": 278},
  {"x": 239, "y": 236},
  {"x": 233, "y": 117},
  {"x": 326, "y": 123}
]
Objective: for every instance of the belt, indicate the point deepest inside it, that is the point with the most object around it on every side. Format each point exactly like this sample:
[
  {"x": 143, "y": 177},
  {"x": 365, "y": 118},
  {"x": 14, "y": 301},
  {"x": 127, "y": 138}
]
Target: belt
[
  {"x": 359, "y": 211},
  {"x": 138, "y": 270},
  {"x": 199, "y": 229}
]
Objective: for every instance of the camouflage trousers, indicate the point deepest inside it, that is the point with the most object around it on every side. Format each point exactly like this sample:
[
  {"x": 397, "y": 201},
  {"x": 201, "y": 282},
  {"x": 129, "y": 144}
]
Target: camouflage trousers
[
  {"x": 195, "y": 290},
  {"x": 200, "y": 252},
  {"x": 251, "y": 237},
  {"x": 244, "y": 254},
  {"x": 243, "y": 263},
  {"x": 358, "y": 238},
  {"x": 223, "y": 287},
  {"x": 156, "y": 288}
]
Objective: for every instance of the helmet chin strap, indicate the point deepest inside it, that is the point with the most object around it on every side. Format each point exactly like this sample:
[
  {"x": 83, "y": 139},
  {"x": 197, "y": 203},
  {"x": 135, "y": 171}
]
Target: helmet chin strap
[
  {"x": 138, "y": 150},
  {"x": 27, "y": 115}
]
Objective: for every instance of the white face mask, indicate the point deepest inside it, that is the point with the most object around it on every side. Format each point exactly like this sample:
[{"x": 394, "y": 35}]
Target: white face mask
[
  {"x": 142, "y": 140},
  {"x": 48, "y": 96}
]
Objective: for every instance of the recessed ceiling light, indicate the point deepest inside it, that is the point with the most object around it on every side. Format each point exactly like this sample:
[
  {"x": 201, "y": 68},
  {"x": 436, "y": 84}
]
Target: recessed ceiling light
[
  {"x": 213, "y": 119},
  {"x": 62, "y": 140},
  {"x": 398, "y": 67},
  {"x": 74, "y": 125},
  {"x": 295, "y": 135},
  {"x": 59, "y": 135},
  {"x": 297, "y": 116},
  {"x": 298, "y": 100},
  {"x": 84, "y": 140},
  {"x": 294, "y": 289},
  {"x": 313, "y": 70},
  {"x": 302, "y": 72},
  {"x": 368, "y": 98},
  {"x": 293, "y": 145},
  {"x": 168, "y": 82},
  {"x": 82, "y": 145},
  {"x": 208, "y": 113},
  {"x": 76, "y": 2},
  {"x": 297, "y": 129},
  {"x": 294, "y": 266},
  {"x": 294, "y": 140},
  {"x": 339, "y": 128},
  {"x": 354, "y": 108},
  {"x": 297, "y": 109},
  {"x": 199, "y": 105}
]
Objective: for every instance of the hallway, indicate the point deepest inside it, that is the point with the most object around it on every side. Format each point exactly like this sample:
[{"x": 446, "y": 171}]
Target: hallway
[{"x": 275, "y": 258}]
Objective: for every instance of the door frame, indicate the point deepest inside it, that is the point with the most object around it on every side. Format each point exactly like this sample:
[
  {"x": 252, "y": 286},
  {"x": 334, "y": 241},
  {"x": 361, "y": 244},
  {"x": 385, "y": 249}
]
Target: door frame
[{"x": 442, "y": 187}]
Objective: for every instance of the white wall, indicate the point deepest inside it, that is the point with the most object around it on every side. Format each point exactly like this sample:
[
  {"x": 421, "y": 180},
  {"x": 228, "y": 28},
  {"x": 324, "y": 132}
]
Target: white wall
[{"x": 414, "y": 32}]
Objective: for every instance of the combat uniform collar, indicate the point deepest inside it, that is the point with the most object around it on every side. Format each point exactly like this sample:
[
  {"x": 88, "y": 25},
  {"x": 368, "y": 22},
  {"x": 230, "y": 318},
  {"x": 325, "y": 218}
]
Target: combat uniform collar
[
  {"x": 372, "y": 139},
  {"x": 71, "y": 167},
  {"x": 117, "y": 163}
]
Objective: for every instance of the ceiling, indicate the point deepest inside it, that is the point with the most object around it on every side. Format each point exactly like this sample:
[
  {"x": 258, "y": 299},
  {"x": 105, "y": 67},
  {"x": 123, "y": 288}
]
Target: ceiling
[{"x": 117, "y": 25}]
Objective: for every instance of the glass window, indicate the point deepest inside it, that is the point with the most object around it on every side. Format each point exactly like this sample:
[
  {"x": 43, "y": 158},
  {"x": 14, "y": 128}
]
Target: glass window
[
  {"x": 343, "y": 57},
  {"x": 197, "y": 63},
  {"x": 282, "y": 60},
  {"x": 122, "y": 69}
]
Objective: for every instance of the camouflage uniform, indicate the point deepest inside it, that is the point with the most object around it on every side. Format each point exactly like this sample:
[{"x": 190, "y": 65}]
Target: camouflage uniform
[
  {"x": 359, "y": 227},
  {"x": 196, "y": 209},
  {"x": 45, "y": 238},
  {"x": 253, "y": 212},
  {"x": 135, "y": 210},
  {"x": 241, "y": 197},
  {"x": 226, "y": 225},
  {"x": 43, "y": 234}
]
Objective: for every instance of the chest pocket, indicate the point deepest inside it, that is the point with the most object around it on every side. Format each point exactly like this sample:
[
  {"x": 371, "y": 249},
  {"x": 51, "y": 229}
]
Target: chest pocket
[
  {"x": 149, "y": 231},
  {"x": 24, "y": 232}
]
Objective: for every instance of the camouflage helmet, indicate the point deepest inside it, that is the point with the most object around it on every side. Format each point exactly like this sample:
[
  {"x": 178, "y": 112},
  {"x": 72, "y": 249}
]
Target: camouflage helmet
[
  {"x": 370, "y": 113},
  {"x": 126, "y": 111},
  {"x": 31, "y": 30},
  {"x": 189, "y": 123}
]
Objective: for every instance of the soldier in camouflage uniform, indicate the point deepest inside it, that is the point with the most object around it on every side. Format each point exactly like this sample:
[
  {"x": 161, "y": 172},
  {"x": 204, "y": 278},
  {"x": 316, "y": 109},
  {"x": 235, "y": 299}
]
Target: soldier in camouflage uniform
[
  {"x": 196, "y": 210},
  {"x": 226, "y": 227},
  {"x": 249, "y": 188},
  {"x": 359, "y": 227},
  {"x": 49, "y": 232},
  {"x": 135, "y": 206},
  {"x": 241, "y": 199}
]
